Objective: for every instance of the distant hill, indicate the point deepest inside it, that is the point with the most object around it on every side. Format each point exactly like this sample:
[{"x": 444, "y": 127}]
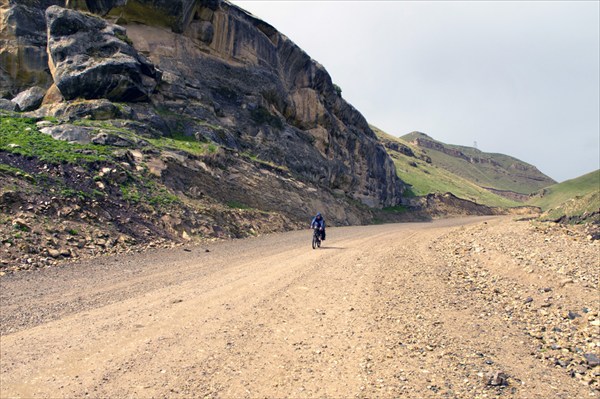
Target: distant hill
[
  {"x": 501, "y": 174},
  {"x": 574, "y": 200},
  {"x": 416, "y": 167}
]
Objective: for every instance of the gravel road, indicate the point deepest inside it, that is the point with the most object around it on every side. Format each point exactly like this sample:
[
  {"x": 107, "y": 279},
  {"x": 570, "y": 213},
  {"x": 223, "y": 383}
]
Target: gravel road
[{"x": 455, "y": 308}]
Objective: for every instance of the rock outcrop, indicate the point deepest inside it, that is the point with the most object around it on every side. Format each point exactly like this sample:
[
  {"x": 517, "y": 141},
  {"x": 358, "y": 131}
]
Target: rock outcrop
[
  {"x": 90, "y": 58},
  {"x": 30, "y": 99},
  {"x": 23, "y": 58},
  {"x": 8, "y": 105},
  {"x": 206, "y": 71}
]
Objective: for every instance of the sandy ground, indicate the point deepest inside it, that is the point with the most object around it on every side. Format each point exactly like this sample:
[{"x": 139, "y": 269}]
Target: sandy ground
[{"x": 422, "y": 310}]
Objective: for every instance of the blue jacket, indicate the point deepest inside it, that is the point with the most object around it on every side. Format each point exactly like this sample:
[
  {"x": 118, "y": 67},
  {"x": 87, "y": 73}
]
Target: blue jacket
[{"x": 317, "y": 223}]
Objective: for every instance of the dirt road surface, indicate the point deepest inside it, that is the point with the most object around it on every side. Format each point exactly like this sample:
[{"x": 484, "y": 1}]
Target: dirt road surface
[{"x": 423, "y": 310}]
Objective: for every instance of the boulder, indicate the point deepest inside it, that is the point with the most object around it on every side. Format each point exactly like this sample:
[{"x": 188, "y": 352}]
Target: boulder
[
  {"x": 70, "y": 133},
  {"x": 30, "y": 99},
  {"x": 7, "y": 105},
  {"x": 90, "y": 58},
  {"x": 106, "y": 138},
  {"x": 93, "y": 109},
  {"x": 23, "y": 58}
]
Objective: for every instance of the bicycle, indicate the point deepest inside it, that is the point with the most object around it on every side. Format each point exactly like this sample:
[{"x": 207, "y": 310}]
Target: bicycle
[{"x": 316, "y": 239}]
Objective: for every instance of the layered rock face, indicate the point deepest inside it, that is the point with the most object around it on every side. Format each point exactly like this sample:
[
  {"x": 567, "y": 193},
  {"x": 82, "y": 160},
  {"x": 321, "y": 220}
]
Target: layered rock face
[
  {"x": 23, "y": 58},
  {"x": 90, "y": 58},
  {"x": 203, "y": 69}
]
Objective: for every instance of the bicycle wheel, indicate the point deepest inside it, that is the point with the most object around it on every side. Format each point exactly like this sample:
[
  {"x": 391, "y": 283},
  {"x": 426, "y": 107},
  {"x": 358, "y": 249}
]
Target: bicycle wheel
[{"x": 314, "y": 242}]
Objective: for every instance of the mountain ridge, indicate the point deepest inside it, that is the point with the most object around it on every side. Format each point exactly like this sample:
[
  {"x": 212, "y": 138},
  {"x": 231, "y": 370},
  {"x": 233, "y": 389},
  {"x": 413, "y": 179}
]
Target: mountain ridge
[
  {"x": 423, "y": 177},
  {"x": 502, "y": 174}
]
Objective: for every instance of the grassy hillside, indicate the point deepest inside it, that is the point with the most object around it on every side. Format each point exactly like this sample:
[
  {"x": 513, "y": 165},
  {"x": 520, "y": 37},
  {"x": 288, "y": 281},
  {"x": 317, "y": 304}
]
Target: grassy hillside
[
  {"x": 580, "y": 209},
  {"x": 576, "y": 199},
  {"x": 487, "y": 170},
  {"x": 427, "y": 177},
  {"x": 556, "y": 194}
]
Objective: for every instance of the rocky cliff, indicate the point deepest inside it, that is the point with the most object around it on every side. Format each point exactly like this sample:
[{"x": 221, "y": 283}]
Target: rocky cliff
[{"x": 205, "y": 70}]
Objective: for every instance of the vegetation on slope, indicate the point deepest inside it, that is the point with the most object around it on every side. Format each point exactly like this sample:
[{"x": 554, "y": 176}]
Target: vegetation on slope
[
  {"x": 555, "y": 195},
  {"x": 60, "y": 200},
  {"x": 21, "y": 136},
  {"x": 576, "y": 210},
  {"x": 487, "y": 170},
  {"x": 426, "y": 177},
  {"x": 575, "y": 200}
]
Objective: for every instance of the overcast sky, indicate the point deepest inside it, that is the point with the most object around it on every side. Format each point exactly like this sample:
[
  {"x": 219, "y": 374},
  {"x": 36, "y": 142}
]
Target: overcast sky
[{"x": 519, "y": 78}]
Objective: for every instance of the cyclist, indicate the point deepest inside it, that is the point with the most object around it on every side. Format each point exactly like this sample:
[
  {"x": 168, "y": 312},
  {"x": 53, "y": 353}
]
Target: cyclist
[{"x": 319, "y": 222}]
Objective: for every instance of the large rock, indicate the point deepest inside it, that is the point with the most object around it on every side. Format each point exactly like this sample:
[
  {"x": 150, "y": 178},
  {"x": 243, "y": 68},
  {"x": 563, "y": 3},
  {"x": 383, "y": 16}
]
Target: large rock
[
  {"x": 23, "y": 58},
  {"x": 90, "y": 58},
  {"x": 7, "y": 105},
  {"x": 30, "y": 99},
  {"x": 101, "y": 109},
  {"x": 70, "y": 133}
]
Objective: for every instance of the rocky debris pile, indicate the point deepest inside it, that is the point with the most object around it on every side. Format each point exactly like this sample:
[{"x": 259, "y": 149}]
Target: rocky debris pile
[
  {"x": 26, "y": 246},
  {"x": 32, "y": 240},
  {"x": 52, "y": 213},
  {"x": 447, "y": 204},
  {"x": 541, "y": 277}
]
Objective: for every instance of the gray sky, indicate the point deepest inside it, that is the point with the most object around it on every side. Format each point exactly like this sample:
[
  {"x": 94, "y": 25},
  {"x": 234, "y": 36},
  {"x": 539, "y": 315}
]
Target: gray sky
[{"x": 519, "y": 78}]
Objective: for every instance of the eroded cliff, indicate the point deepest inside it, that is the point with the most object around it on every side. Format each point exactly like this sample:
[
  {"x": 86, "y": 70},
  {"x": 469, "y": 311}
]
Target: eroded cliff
[{"x": 211, "y": 101}]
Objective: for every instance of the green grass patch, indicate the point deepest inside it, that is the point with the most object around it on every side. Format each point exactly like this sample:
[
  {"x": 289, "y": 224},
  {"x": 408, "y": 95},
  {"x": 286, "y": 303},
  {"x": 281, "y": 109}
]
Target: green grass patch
[
  {"x": 163, "y": 197},
  {"x": 576, "y": 199},
  {"x": 130, "y": 193},
  {"x": 180, "y": 142},
  {"x": 70, "y": 193},
  {"x": 124, "y": 38},
  {"x": 20, "y": 227},
  {"x": 491, "y": 170},
  {"x": 21, "y": 136},
  {"x": 237, "y": 205},
  {"x": 557, "y": 194},
  {"x": 584, "y": 208},
  {"x": 52, "y": 119},
  {"x": 254, "y": 158},
  {"x": 8, "y": 170},
  {"x": 148, "y": 192},
  {"x": 337, "y": 89}
]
